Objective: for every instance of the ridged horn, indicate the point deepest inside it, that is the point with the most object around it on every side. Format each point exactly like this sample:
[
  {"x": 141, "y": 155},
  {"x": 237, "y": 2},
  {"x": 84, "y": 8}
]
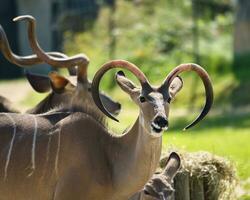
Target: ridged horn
[
  {"x": 25, "y": 60},
  {"x": 80, "y": 60},
  {"x": 111, "y": 65},
  {"x": 206, "y": 82}
]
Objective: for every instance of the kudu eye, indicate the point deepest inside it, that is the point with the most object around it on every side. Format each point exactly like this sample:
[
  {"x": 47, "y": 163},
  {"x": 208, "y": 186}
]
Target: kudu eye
[{"x": 142, "y": 99}]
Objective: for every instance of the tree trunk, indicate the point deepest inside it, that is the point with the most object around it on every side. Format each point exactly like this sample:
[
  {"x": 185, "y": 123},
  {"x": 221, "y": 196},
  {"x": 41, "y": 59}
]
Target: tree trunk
[
  {"x": 242, "y": 39},
  {"x": 241, "y": 64},
  {"x": 112, "y": 38}
]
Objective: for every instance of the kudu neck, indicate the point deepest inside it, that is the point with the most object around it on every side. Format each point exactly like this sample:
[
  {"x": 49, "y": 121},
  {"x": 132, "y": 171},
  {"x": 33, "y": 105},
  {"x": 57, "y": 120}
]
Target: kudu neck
[
  {"x": 137, "y": 157},
  {"x": 141, "y": 128}
]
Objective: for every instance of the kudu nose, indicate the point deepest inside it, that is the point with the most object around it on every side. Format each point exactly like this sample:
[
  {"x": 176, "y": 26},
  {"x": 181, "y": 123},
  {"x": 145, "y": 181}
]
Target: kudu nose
[{"x": 161, "y": 121}]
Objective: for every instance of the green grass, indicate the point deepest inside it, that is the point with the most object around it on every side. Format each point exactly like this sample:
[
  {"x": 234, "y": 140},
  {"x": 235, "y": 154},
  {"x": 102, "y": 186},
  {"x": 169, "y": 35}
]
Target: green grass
[
  {"x": 229, "y": 142},
  {"x": 226, "y": 135}
]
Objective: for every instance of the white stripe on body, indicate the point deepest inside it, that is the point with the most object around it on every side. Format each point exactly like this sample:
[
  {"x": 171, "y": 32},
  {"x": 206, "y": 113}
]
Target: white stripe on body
[
  {"x": 11, "y": 145},
  {"x": 47, "y": 157},
  {"x": 48, "y": 150},
  {"x": 33, "y": 150},
  {"x": 57, "y": 152}
]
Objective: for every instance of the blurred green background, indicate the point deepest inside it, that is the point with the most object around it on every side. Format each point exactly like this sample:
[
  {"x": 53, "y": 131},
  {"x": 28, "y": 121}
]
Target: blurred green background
[{"x": 159, "y": 35}]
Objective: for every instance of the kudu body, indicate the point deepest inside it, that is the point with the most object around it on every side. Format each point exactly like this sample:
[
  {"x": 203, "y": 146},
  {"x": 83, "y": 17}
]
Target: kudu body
[
  {"x": 84, "y": 159},
  {"x": 62, "y": 89}
]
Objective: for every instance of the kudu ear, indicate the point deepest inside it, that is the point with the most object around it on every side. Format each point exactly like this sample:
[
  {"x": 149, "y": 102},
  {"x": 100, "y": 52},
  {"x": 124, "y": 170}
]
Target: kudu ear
[
  {"x": 39, "y": 83},
  {"x": 126, "y": 85},
  {"x": 175, "y": 86},
  {"x": 172, "y": 166},
  {"x": 58, "y": 82}
]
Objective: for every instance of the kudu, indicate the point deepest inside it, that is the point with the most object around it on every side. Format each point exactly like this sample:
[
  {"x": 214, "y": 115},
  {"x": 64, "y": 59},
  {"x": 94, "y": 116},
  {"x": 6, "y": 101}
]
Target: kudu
[
  {"x": 159, "y": 187},
  {"x": 77, "y": 156},
  {"x": 62, "y": 88}
]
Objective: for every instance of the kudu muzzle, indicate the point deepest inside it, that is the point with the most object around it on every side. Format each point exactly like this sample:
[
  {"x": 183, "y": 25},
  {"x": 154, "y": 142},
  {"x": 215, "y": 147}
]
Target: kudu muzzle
[
  {"x": 160, "y": 120},
  {"x": 159, "y": 123}
]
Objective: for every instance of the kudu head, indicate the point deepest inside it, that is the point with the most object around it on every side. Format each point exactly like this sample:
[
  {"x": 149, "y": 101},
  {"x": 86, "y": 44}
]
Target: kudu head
[
  {"x": 62, "y": 88},
  {"x": 153, "y": 101},
  {"x": 160, "y": 186}
]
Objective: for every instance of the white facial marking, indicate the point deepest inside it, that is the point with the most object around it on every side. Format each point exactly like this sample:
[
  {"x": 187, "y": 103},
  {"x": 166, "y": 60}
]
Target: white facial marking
[
  {"x": 165, "y": 128},
  {"x": 47, "y": 156},
  {"x": 11, "y": 145},
  {"x": 162, "y": 196},
  {"x": 48, "y": 149},
  {"x": 156, "y": 125},
  {"x": 150, "y": 131},
  {"x": 141, "y": 119}
]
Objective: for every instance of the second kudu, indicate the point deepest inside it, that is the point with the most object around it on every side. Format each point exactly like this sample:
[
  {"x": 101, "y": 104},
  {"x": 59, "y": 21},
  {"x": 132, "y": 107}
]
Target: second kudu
[
  {"x": 78, "y": 157},
  {"x": 160, "y": 186},
  {"x": 62, "y": 88}
]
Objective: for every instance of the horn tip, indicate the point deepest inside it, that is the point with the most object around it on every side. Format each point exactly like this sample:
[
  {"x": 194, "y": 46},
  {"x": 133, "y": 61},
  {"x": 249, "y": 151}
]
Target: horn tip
[
  {"x": 115, "y": 119},
  {"x": 110, "y": 115},
  {"x": 189, "y": 126}
]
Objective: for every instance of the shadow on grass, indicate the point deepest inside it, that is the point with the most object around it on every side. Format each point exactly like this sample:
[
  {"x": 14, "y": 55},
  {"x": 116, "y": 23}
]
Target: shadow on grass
[{"x": 221, "y": 121}]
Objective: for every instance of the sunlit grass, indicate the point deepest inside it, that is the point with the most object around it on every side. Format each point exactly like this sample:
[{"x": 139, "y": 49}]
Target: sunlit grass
[{"x": 232, "y": 143}]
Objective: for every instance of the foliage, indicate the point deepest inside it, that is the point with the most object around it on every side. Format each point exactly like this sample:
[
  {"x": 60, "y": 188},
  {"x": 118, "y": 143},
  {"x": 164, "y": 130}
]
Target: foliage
[{"x": 156, "y": 37}]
